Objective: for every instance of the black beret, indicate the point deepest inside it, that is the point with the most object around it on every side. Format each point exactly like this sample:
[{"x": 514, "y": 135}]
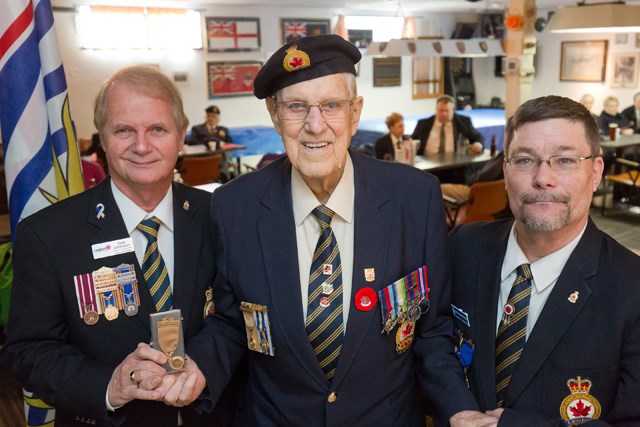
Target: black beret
[
  {"x": 212, "y": 109},
  {"x": 305, "y": 59}
]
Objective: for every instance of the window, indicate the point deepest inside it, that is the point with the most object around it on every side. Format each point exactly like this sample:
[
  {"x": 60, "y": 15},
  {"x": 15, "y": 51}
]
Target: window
[{"x": 104, "y": 27}]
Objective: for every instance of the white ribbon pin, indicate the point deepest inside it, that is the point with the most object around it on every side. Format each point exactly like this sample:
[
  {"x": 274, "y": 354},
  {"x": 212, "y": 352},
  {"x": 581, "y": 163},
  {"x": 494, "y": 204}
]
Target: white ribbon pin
[{"x": 100, "y": 210}]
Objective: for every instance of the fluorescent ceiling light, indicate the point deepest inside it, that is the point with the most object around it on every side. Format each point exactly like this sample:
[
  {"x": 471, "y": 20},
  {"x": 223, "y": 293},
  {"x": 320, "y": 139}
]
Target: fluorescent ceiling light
[{"x": 614, "y": 17}]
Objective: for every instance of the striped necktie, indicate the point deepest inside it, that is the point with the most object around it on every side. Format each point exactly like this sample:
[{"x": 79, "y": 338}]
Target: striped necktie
[
  {"x": 324, "y": 312},
  {"x": 153, "y": 267},
  {"x": 443, "y": 140},
  {"x": 512, "y": 332}
]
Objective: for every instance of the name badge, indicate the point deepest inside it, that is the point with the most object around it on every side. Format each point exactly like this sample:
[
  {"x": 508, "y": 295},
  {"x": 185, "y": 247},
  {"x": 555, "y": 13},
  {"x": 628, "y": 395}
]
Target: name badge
[{"x": 114, "y": 247}]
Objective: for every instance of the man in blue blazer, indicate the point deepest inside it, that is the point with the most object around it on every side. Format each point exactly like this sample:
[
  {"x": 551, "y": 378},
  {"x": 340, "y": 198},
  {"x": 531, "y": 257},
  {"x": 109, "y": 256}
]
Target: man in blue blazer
[
  {"x": 63, "y": 342},
  {"x": 453, "y": 127},
  {"x": 370, "y": 365},
  {"x": 574, "y": 352}
]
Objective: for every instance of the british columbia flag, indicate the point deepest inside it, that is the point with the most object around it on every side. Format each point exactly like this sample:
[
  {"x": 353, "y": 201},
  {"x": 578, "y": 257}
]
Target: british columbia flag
[{"x": 41, "y": 157}]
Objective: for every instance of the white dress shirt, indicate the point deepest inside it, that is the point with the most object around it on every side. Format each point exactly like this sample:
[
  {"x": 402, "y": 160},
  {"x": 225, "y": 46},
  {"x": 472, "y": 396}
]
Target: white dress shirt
[
  {"x": 308, "y": 230},
  {"x": 545, "y": 273},
  {"x": 433, "y": 142}
]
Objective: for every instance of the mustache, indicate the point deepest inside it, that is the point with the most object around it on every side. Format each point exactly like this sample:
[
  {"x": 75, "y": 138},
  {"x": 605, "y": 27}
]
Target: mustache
[{"x": 544, "y": 197}]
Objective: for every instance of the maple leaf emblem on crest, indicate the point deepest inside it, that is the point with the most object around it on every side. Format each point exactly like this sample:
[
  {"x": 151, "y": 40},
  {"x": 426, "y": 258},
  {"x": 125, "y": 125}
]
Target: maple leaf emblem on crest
[
  {"x": 580, "y": 409},
  {"x": 295, "y": 62}
]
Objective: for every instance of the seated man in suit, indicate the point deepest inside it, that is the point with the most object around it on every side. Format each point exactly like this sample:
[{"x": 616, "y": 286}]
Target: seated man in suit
[
  {"x": 209, "y": 131},
  {"x": 446, "y": 130},
  {"x": 306, "y": 245},
  {"x": 546, "y": 305},
  {"x": 386, "y": 145},
  {"x": 632, "y": 113}
]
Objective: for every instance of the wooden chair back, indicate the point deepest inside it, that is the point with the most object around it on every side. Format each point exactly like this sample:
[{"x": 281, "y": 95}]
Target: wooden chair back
[
  {"x": 201, "y": 170},
  {"x": 486, "y": 199}
]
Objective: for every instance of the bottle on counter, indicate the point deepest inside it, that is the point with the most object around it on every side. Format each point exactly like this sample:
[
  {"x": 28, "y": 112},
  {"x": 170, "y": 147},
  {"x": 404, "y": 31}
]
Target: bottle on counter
[{"x": 492, "y": 148}]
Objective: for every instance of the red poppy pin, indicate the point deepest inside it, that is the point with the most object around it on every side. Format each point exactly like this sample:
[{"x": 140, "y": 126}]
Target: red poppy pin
[{"x": 366, "y": 299}]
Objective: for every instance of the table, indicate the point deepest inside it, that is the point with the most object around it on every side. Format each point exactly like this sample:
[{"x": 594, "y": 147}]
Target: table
[
  {"x": 444, "y": 161},
  {"x": 201, "y": 150},
  {"x": 619, "y": 145}
]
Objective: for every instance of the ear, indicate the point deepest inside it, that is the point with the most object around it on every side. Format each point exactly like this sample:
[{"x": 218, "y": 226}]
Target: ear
[
  {"x": 358, "y": 103},
  {"x": 273, "y": 113},
  {"x": 598, "y": 168}
]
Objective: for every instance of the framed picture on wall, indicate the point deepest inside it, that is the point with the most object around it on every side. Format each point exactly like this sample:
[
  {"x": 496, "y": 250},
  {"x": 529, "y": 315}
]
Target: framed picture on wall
[
  {"x": 386, "y": 71},
  {"x": 583, "y": 61},
  {"x": 294, "y": 28},
  {"x": 625, "y": 69},
  {"x": 232, "y": 34},
  {"x": 638, "y": 40},
  {"x": 231, "y": 78}
]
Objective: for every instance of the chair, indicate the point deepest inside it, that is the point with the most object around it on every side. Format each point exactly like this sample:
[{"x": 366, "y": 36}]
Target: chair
[
  {"x": 486, "y": 200},
  {"x": 265, "y": 160},
  {"x": 201, "y": 170},
  {"x": 628, "y": 181}
]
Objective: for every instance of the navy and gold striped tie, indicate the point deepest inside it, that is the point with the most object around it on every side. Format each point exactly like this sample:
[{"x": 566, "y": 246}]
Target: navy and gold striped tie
[
  {"x": 324, "y": 312},
  {"x": 154, "y": 268},
  {"x": 512, "y": 333}
]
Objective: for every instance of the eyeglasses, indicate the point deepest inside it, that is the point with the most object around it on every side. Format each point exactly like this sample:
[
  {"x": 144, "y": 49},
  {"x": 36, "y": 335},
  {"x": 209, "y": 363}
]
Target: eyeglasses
[
  {"x": 559, "y": 163},
  {"x": 332, "y": 109}
]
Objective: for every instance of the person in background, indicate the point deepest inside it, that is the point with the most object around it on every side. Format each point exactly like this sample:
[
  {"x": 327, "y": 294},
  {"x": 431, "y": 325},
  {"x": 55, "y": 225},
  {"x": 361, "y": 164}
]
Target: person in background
[
  {"x": 210, "y": 131},
  {"x": 443, "y": 132},
  {"x": 83, "y": 286},
  {"x": 305, "y": 247},
  {"x": 546, "y": 304},
  {"x": 587, "y": 100},
  {"x": 610, "y": 115},
  {"x": 632, "y": 113},
  {"x": 386, "y": 145}
]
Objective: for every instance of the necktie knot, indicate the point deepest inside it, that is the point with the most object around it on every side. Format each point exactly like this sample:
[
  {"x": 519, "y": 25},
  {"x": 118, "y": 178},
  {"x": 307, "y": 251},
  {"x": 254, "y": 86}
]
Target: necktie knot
[
  {"x": 324, "y": 215},
  {"x": 524, "y": 270},
  {"x": 149, "y": 228}
]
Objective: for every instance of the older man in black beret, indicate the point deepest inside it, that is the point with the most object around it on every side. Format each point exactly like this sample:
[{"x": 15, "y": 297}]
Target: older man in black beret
[{"x": 320, "y": 252}]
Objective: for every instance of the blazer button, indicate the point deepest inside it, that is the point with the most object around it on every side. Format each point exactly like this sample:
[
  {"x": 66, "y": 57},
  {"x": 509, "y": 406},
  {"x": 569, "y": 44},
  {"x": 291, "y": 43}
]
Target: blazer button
[{"x": 332, "y": 397}]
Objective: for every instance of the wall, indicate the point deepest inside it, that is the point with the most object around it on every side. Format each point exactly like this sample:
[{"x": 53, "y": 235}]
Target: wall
[{"x": 87, "y": 69}]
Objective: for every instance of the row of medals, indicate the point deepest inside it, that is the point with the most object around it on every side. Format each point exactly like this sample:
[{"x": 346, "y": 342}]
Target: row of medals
[
  {"x": 104, "y": 282},
  {"x": 412, "y": 314}
]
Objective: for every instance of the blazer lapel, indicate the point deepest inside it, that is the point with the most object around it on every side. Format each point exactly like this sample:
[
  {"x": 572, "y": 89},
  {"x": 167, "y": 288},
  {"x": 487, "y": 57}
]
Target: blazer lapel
[
  {"x": 277, "y": 224},
  {"x": 188, "y": 236},
  {"x": 371, "y": 231},
  {"x": 558, "y": 312},
  {"x": 486, "y": 307}
]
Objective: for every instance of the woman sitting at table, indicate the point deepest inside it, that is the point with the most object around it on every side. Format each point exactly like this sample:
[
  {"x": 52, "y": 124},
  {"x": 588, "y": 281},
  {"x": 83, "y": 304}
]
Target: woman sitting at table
[{"x": 386, "y": 145}]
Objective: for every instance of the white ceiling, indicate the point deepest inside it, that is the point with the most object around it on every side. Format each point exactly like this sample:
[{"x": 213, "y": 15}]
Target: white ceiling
[{"x": 387, "y": 7}]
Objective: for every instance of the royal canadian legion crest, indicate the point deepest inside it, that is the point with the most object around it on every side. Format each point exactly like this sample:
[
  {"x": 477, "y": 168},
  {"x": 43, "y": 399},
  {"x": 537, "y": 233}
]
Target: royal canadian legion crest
[{"x": 579, "y": 407}]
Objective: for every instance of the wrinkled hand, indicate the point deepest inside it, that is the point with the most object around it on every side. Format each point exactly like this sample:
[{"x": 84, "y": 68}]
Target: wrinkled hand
[
  {"x": 472, "y": 419},
  {"x": 495, "y": 412},
  {"x": 182, "y": 388},
  {"x": 137, "y": 376},
  {"x": 476, "y": 148}
]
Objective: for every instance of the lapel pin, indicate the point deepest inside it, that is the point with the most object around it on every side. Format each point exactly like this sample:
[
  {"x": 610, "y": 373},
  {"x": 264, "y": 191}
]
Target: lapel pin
[
  {"x": 99, "y": 211},
  {"x": 366, "y": 299},
  {"x": 369, "y": 274},
  {"x": 574, "y": 297},
  {"x": 185, "y": 205}
]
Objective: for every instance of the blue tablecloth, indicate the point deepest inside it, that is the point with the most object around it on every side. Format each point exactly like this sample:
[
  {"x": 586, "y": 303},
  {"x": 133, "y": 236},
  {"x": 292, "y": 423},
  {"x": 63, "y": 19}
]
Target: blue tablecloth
[{"x": 264, "y": 139}]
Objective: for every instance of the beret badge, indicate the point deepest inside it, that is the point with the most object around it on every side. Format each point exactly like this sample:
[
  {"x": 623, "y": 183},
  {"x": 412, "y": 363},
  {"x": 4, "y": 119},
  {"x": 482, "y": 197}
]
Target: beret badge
[{"x": 295, "y": 59}]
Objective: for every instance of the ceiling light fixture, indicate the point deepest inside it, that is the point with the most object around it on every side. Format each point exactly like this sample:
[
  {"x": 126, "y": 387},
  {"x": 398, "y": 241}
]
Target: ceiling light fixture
[{"x": 612, "y": 17}]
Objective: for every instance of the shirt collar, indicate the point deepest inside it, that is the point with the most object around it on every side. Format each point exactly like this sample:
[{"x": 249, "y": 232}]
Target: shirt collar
[
  {"x": 341, "y": 200},
  {"x": 132, "y": 214},
  {"x": 546, "y": 270}
]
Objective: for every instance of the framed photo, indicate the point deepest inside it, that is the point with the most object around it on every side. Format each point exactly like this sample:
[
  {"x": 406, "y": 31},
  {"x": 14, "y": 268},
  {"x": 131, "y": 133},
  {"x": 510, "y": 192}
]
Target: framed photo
[
  {"x": 583, "y": 61},
  {"x": 361, "y": 38},
  {"x": 294, "y": 28},
  {"x": 231, "y": 78},
  {"x": 621, "y": 38},
  {"x": 226, "y": 34},
  {"x": 386, "y": 71},
  {"x": 625, "y": 69},
  {"x": 638, "y": 40}
]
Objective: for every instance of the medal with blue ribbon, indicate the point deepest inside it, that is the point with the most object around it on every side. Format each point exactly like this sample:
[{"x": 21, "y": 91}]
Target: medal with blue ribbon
[{"x": 406, "y": 298}]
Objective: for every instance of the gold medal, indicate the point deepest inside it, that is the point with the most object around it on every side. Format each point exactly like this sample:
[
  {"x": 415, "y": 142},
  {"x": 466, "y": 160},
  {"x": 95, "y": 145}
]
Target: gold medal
[
  {"x": 176, "y": 362},
  {"x": 111, "y": 313}
]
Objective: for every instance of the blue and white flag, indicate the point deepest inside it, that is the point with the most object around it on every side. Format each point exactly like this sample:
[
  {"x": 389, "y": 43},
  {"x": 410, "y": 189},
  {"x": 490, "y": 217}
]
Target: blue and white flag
[{"x": 41, "y": 157}]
